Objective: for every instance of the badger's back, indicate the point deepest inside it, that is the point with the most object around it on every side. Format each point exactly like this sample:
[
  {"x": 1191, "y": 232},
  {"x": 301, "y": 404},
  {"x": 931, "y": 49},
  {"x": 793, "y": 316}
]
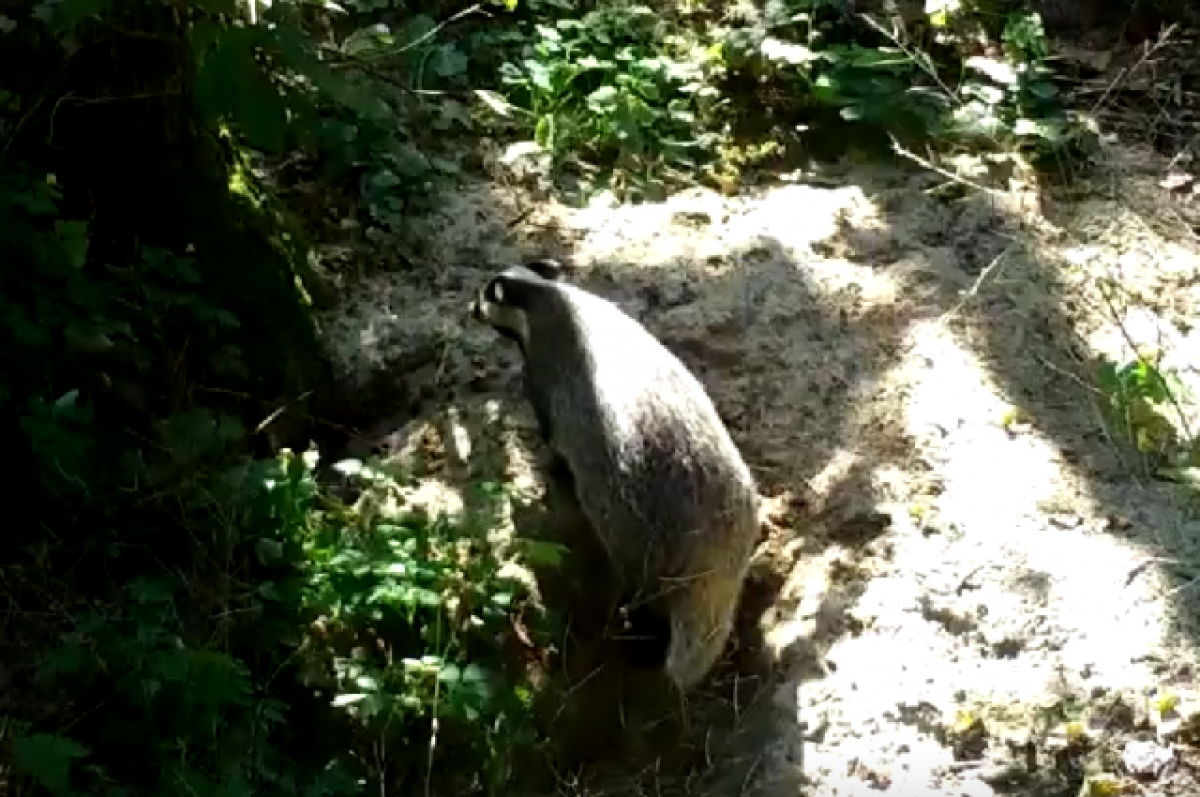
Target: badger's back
[{"x": 654, "y": 467}]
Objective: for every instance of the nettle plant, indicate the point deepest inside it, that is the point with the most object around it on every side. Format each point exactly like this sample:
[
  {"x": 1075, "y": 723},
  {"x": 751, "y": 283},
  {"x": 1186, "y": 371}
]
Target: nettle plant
[
  {"x": 410, "y": 614},
  {"x": 615, "y": 87},
  {"x": 1010, "y": 96}
]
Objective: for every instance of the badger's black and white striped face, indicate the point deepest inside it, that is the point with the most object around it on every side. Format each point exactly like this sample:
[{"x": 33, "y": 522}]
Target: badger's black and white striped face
[
  {"x": 505, "y": 301},
  {"x": 494, "y": 307}
]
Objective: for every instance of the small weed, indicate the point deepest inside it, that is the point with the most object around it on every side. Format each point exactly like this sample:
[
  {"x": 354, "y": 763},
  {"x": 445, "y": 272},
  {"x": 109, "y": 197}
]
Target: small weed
[{"x": 1140, "y": 400}]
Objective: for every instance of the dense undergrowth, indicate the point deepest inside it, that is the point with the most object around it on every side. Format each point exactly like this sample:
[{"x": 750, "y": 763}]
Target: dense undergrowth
[{"x": 187, "y": 608}]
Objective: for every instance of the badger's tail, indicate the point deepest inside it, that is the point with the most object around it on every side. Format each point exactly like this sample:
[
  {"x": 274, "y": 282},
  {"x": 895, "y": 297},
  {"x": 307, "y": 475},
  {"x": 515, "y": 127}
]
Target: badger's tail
[{"x": 702, "y": 615}]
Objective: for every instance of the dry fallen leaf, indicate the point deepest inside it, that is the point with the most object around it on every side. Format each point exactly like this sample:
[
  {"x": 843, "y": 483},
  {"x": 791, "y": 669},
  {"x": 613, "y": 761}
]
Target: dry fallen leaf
[{"x": 1103, "y": 785}]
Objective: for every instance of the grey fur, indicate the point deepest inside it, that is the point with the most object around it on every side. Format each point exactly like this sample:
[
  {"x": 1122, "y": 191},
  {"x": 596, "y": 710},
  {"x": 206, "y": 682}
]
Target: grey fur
[{"x": 654, "y": 468}]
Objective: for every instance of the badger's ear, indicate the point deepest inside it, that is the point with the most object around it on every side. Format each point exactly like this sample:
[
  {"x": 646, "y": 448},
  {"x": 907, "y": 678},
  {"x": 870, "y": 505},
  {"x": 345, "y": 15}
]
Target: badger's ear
[
  {"x": 546, "y": 268},
  {"x": 493, "y": 292},
  {"x": 518, "y": 286}
]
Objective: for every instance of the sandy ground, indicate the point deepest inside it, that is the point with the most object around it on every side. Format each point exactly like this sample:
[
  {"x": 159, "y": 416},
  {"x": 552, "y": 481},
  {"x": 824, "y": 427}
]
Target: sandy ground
[{"x": 973, "y": 591}]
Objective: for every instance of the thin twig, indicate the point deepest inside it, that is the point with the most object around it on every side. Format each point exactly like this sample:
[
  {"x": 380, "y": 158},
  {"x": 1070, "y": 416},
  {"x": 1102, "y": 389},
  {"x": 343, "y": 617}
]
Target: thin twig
[
  {"x": 1163, "y": 40},
  {"x": 1150, "y": 367},
  {"x": 974, "y": 289},
  {"x": 1076, "y": 378},
  {"x": 900, "y": 150},
  {"x": 1094, "y": 396},
  {"x": 434, "y": 31},
  {"x": 926, "y": 67},
  {"x": 574, "y": 690},
  {"x": 433, "y": 735}
]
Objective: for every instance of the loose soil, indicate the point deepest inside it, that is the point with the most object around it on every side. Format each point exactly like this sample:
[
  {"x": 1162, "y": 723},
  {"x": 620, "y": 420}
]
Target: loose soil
[{"x": 967, "y": 586}]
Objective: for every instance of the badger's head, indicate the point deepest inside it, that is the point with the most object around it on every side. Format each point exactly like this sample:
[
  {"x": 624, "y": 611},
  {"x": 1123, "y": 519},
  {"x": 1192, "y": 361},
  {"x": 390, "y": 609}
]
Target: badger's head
[{"x": 505, "y": 302}]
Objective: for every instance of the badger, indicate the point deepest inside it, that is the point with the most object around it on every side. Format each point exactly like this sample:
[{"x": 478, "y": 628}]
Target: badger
[{"x": 639, "y": 441}]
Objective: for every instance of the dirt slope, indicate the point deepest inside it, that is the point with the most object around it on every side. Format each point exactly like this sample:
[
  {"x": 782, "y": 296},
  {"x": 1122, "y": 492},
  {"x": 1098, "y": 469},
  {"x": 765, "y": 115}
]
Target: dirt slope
[{"x": 962, "y": 564}]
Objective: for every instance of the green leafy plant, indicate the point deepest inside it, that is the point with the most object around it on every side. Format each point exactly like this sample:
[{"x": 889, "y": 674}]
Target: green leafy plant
[
  {"x": 614, "y": 87},
  {"x": 163, "y": 595},
  {"x": 870, "y": 82},
  {"x": 412, "y": 612},
  {"x": 354, "y": 102},
  {"x": 146, "y": 687},
  {"x": 47, "y": 759},
  {"x": 638, "y": 93},
  {"x": 1011, "y": 96},
  {"x": 1140, "y": 401},
  {"x": 368, "y": 130}
]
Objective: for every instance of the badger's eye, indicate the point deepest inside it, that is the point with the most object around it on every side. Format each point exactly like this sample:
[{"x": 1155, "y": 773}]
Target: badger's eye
[{"x": 497, "y": 292}]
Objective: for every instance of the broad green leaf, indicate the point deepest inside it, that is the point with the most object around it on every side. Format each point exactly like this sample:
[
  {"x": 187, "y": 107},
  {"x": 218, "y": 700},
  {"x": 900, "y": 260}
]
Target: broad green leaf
[
  {"x": 232, "y": 86},
  {"x": 1044, "y": 89},
  {"x": 539, "y": 75},
  {"x": 473, "y": 673},
  {"x": 604, "y": 99},
  {"x": 69, "y": 659},
  {"x": 229, "y": 7},
  {"x": 67, "y": 14},
  {"x": 48, "y": 759},
  {"x": 427, "y": 598},
  {"x": 346, "y": 91},
  {"x": 203, "y": 35},
  {"x": 1040, "y": 128},
  {"x": 348, "y": 467},
  {"x": 261, "y": 112},
  {"x": 67, "y": 400},
  {"x": 997, "y": 70},
  {"x": 1184, "y": 475},
  {"x": 520, "y": 149},
  {"x": 778, "y": 50},
  {"x": 541, "y": 552},
  {"x": 448, "y": 61},
  {"x": 991, "y": 95},
  {"x": 866, "y": 58},
  {"x": 543, "y": 132},
  {"x": 73, "y": 236},
  {"x": 151, "y": 590},
  {"x": 371, "y": 39}
]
